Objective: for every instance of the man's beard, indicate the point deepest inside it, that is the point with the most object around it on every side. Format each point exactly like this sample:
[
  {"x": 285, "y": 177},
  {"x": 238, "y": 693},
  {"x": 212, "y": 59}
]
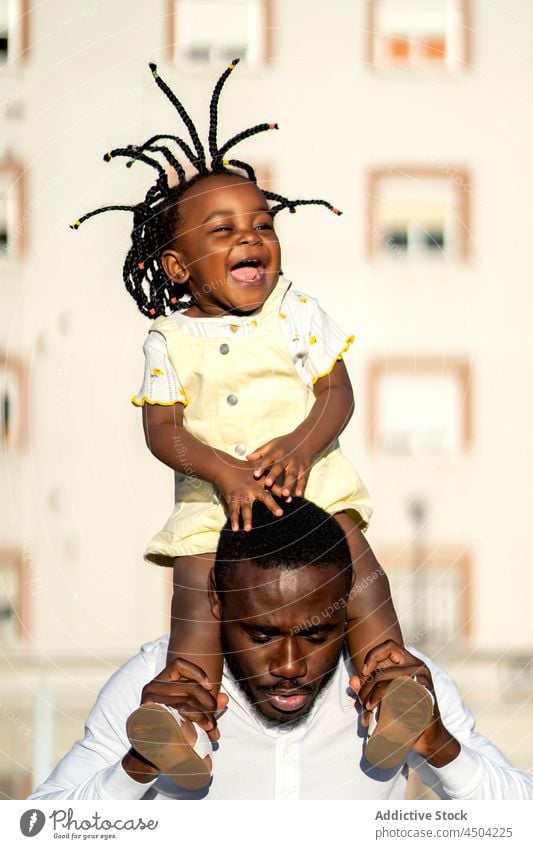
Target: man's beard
[{"x": 241, "y": 679}]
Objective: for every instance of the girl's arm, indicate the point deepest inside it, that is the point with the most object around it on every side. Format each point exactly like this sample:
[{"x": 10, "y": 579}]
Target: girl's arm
[
  {"x": 293, "y": 454},
  {"x": 171, "y": 443}
]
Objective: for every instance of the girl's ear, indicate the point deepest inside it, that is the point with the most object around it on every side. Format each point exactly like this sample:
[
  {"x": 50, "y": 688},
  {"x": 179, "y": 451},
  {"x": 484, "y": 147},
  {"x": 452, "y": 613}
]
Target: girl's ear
[{"x": 174, "y": 266}]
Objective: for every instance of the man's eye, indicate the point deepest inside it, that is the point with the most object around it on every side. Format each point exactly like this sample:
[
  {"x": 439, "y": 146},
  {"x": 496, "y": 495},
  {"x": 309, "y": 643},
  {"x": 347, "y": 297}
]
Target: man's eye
[
  {"x": 259, "y": 638},
  {"x": 316, "y": 638}
]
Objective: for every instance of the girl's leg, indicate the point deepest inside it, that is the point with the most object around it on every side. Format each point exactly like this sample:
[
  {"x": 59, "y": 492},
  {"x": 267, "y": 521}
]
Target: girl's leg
[
  {"x": 371, "y": 621},
  {"x": 194, "y": 633},
  {"x": 163, "y": 738},
  {"x": 371, "y": 615}
]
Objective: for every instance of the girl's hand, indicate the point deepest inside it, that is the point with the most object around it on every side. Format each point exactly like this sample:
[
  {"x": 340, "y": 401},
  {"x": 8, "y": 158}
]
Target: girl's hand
[
  {"x": 239, "y": 490},
  {"x": 288, "y": 456}
]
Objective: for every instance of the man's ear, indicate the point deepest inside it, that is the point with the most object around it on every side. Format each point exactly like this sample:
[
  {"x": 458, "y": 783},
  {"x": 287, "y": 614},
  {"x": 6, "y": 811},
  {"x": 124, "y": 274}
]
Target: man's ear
[
  {"x": 214, "y": 601},
  {"x": 174, "y": 266}
]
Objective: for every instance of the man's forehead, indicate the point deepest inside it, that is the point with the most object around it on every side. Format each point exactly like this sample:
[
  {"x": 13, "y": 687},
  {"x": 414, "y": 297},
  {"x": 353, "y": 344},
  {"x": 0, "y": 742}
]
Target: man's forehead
[{"x": 265, "y": 591}]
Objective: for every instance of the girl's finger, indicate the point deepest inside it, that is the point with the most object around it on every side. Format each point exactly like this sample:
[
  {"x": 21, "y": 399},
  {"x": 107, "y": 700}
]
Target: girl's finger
[
  {"x": 301, "y": 482},
  {"x": 246, "y": 513},
  {"x": 274, "y": 473},
  {"x": 258, "y": 453},
  {"x": 234, "y": 513},
  {"x": 291, "y": 479},
  {"x": 266, "y": 498}
]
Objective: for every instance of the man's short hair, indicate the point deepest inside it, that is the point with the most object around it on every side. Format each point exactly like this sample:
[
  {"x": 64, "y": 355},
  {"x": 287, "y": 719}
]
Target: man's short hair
[{"x": 305, "y": 535}]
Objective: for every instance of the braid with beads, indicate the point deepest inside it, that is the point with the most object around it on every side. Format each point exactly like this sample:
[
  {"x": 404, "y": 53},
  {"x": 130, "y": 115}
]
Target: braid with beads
[{"x": 156, "y": 218}]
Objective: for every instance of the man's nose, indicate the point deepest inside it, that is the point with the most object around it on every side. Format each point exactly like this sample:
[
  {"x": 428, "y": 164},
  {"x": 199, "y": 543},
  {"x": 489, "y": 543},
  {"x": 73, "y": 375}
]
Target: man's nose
[{"x": 288, "y": 661}]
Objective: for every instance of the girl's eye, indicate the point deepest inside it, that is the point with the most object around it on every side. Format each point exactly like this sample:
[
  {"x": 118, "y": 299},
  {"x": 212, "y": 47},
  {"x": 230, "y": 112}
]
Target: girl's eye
[
  {"x": 264, "y": 227},
  {"x": 221, "y": 228}
]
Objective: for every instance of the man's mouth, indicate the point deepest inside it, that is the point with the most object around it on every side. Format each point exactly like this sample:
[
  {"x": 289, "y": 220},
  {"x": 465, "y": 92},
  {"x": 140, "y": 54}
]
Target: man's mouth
[
  {"x": 288, "y": 701},
  {"x": 249, "y": 271}
]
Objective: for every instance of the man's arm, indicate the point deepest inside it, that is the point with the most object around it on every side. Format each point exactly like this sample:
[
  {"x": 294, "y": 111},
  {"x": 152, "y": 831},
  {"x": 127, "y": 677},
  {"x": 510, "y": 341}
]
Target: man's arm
[
  {"x": 450, "y": 756},
  {"x": 103, "y": 765},
  {"x": 93, "y": 768},
  {"x": 480, "y": 770}
]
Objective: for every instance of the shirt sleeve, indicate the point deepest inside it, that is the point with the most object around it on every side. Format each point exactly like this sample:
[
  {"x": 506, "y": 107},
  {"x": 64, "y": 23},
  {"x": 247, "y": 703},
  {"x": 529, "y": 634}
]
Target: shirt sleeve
[
  {"x": 160, "y": 382},
  {"x": 480, "y": 771},
  {"x": 315, "y": 341},
  {"x": 93, "y": 767}
]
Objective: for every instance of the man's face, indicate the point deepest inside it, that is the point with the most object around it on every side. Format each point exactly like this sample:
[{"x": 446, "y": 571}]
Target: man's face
[{"x": 282, "y": 635}]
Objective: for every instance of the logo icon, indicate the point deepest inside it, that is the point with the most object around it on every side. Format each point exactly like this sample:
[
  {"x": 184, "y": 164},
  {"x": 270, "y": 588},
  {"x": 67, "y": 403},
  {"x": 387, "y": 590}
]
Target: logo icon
[{"x": 32, "y": 822}]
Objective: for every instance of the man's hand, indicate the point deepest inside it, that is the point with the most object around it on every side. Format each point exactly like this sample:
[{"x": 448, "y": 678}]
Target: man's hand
[
  {"x": 382, "y": 665},
  {"x": 239, "y": 489},
  {"x": 288, "y": 456},
  {"x": 184, "y": 686}
]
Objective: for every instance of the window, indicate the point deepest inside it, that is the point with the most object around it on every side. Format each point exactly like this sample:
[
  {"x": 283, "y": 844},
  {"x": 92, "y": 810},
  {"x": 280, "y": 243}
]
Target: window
[
  {"x": 419, "y": 35},
  {"x": 12, "y": 598},
  {"x": 13, "y": 403},
  {"x": 419, "y": 212},
  {"x": 13, "y": 30},
  {"x": 217, "y": 31},
  {"x": 12, "y": 218},
  {"x": 420, "y": 407},
  {"x": 432, "y": 591}
]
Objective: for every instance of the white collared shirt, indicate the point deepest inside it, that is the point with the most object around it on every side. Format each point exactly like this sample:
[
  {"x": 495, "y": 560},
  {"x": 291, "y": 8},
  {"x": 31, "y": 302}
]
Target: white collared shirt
[{"x": 318, "y": 759}]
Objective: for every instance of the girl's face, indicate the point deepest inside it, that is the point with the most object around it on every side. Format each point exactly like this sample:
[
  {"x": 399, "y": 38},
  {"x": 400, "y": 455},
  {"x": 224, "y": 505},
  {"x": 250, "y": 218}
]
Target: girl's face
[{"x": 226, "y": 248}]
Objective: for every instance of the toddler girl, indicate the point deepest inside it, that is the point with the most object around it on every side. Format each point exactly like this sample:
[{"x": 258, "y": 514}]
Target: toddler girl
[{"x": 244, "y": 394}]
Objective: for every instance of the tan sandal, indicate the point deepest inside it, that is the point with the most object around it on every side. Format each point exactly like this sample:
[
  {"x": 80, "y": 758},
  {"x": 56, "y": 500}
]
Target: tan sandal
[
  {"x": 405, "y": 711},
  {"x": 154, "y": 731}
]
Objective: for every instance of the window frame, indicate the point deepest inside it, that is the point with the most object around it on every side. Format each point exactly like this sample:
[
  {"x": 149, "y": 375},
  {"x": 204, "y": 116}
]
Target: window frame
[
  {"x": 20, "y": 439},
  {"x": 21, "y": 17},
  {"x": 460, "y": 176},
  {"x": 371, "y": 31},
  {"x": 417, "y": 365},
  {"x": 17, "y": 245},
  {"x": 13, "y": 557},
  {"x": 266, "y": 41},
  {"x": 437, "y": 557}
]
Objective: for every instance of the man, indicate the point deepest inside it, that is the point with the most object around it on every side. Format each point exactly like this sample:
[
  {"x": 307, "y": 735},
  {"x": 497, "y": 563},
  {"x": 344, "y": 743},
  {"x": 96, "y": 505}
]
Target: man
[{"x": 289, "y": 726}]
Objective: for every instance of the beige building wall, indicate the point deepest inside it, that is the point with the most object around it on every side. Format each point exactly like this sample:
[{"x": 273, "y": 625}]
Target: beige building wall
[{"x": 82, "y": 497}]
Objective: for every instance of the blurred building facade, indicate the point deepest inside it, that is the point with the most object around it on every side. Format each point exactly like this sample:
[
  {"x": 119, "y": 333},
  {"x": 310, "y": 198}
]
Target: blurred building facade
[{"x": 412, "y": 118}]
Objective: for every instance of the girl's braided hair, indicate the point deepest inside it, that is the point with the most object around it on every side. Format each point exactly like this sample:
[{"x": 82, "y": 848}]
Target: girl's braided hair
[{"x": 155, "y": 219}]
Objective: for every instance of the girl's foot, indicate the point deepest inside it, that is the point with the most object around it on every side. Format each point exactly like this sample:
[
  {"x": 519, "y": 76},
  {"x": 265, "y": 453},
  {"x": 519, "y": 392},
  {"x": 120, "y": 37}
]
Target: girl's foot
[
  {"x": 159, "y": 734},
  {"x": 404, "y": 713}
]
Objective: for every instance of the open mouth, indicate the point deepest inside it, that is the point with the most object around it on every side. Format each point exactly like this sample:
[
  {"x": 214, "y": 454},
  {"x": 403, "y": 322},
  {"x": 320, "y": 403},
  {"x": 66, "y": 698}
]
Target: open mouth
[
  {"x": 248, "y": 271},
  {"x": 289, "y": 701}
]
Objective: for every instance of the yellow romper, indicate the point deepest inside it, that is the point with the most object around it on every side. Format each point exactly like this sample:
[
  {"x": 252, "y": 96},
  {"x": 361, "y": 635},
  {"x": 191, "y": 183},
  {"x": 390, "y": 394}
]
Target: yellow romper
[{"x": 237, "y": 396}]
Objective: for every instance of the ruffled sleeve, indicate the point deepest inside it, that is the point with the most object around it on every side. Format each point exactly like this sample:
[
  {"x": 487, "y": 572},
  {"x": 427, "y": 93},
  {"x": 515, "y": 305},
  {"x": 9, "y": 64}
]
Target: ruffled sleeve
[
  {"x": 316, "y": 342},
  {"x": 160, "y": 383}
]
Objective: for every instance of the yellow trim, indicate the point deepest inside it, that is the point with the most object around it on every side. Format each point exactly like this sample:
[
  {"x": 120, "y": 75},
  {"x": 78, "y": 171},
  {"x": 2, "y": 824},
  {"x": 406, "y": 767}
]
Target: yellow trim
[
  {"x": 318, "y": 377},
  {"x": 312, "y": 340},
  {"x": 156, "y": 372},
  {"x": 253, "y": 322},
  {"x": 303, "y": 300},
  {"x": 144, "y": 400},
  {"x": 283, "y": 315}
]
